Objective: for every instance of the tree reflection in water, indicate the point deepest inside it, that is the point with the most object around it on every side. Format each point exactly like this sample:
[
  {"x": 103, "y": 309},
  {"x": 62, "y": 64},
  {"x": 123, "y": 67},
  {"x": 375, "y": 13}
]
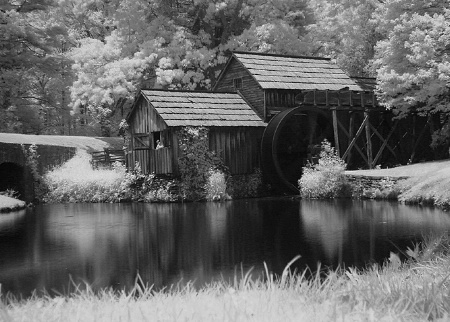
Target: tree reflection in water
[
  {"x": 107, "y": 245},
  {"x": 365, "y": 231}
]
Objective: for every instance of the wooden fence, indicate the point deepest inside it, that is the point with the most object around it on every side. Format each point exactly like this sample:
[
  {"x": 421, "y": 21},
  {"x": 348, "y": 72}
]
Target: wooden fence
[{"x": 107, "y": 157}]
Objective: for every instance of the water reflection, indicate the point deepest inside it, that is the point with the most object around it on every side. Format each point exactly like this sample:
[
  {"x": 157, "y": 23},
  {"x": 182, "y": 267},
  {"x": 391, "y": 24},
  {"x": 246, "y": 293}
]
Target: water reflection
[
  {"x": 169, "y": 244},
  {"x": 365, "y": 231},
  {"x": 10, "y": 221}
]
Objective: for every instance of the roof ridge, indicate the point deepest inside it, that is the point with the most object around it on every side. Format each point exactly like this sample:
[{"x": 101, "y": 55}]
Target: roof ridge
[
  {"x": 184, "y": 91},
  {"x": 361, "y": 77},
  {"x": 280, "y": 55}
]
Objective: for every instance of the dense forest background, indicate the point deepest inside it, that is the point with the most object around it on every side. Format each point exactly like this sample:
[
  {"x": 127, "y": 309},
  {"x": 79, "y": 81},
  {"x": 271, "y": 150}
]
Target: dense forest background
[{"x": 72, "y": 67}]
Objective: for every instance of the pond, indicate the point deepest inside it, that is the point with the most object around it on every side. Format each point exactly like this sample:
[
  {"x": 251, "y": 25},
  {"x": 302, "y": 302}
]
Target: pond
[{"x": 53, "y": 247}]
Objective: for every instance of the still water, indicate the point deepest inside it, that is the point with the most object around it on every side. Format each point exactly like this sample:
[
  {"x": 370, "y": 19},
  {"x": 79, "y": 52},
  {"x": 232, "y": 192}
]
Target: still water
[{"x": 52, "y": 247}]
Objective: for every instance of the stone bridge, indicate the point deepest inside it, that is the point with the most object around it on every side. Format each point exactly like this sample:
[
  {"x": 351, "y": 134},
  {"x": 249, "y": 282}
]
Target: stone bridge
[{"x": 52, "y": 150}]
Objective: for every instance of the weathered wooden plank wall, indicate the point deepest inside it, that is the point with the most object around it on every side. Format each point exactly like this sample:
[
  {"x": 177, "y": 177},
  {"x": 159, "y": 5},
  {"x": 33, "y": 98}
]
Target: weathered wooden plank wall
[
  {"x": 252, "y": 92},
  {"x": 239, "y": 148},
  {"x": 146, "y": 119}
]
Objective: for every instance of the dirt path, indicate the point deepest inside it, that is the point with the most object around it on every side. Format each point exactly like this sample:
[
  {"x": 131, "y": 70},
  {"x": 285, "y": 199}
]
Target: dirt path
[{"x": 83, "y": 142}]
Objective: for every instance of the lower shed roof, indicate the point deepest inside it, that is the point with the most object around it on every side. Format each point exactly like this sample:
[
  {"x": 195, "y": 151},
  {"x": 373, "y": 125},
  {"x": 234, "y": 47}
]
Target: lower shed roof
[{"x": 193, "y": 108}]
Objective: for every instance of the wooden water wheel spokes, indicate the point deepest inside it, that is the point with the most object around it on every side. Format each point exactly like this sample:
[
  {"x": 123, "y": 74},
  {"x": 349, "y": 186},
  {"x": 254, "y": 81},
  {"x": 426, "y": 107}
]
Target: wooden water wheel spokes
[{"x": 290, "y": 139}]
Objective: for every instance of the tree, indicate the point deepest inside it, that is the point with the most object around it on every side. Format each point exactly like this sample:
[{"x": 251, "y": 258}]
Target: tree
[
  {"x": 345, "y": 30},
  {"x": 171, "y": 44},
  {"x": 29, "y": 64},
  {"x": 412, "y": 62}
]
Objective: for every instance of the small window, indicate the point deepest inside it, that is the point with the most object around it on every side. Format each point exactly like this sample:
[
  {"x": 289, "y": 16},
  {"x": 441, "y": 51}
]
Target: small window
[
  {"x": 160, "y": 140},
  {"x": 237, "y": 83},
  {"x": 156, "y": 139}
]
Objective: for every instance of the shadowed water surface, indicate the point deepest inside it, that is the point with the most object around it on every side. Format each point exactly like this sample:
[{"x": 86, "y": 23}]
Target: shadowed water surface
[{"x": 107, "y": 245}]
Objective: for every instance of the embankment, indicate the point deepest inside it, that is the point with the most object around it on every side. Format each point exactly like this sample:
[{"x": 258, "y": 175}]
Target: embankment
[{"x": 8, "y": 204}]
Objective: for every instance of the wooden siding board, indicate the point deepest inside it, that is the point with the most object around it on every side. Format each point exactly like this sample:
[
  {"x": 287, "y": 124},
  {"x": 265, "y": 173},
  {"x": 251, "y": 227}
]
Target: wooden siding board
[{"x": 251, "y": 90}]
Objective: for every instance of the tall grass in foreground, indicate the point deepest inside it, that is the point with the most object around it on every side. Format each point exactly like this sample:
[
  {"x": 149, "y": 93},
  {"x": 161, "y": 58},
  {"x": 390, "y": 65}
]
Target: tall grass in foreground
[{"x": 413, "y": 291}]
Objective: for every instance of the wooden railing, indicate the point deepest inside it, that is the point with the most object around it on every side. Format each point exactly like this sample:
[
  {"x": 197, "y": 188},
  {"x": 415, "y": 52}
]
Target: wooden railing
[{"x": 107, "y": 157}]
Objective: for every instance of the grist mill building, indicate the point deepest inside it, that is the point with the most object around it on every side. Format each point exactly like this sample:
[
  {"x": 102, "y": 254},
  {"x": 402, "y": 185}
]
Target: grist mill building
[{"x": 272, "y": 112}]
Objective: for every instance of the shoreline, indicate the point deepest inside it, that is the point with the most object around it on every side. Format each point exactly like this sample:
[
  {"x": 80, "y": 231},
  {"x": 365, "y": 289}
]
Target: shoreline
[
  {"x": 415, "y": 290},
  {"x": 8, "y": 204}
]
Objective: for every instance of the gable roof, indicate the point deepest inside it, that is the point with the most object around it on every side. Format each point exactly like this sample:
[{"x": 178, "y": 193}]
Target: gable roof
[
  {"x": 366, "y": 83},
  {"x": 189, "y": 108},
  {"x": 295, "y": 72}
]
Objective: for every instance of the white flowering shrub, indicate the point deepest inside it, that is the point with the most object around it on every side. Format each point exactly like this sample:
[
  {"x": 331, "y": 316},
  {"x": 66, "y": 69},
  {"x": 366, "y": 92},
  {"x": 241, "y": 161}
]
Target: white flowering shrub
[
  {"x": 326, "y": 179},
  {"x": 216, "y": 186}
]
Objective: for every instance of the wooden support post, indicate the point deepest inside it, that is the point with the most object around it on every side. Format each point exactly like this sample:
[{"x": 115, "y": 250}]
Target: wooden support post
[
  {"x": 413, "y": 143},
  {"x": 265, "y": 105},
  {"x": 336, "y": 132},
  {"x": 419, "y": 137},
  {"x": 350, "y": 134},
  {"x": 368, "y": 141}
]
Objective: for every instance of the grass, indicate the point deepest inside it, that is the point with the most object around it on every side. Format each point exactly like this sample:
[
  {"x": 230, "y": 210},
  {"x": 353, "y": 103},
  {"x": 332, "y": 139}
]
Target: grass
[
  {"x": 428, "y": 183},
  {"x": 10, "y": 204},
  {"x": 414, "y": 291},
  {"x": 430, "y": 189}
]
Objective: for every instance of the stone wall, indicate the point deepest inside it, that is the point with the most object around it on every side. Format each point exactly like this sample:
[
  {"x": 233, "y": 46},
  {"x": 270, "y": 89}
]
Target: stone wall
[
  {"x": 363, "y": 184},
  {"x": 11, "y": 156}
]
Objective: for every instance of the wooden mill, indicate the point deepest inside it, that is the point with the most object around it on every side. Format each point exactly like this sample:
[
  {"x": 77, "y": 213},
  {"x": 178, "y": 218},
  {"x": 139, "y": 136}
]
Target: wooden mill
[{"x": 283, "y": 107}]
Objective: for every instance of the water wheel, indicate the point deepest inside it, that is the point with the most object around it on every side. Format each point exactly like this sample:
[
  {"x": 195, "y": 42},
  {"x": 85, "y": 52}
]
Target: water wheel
[{"x": 291, "y": 138}]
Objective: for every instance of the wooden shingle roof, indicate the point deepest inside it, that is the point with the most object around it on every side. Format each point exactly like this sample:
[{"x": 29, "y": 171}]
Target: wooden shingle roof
[
  {"x": 295, "y": 72},
  {"x": 366, "y": 83},
  {"x": 189, "y": 108}
]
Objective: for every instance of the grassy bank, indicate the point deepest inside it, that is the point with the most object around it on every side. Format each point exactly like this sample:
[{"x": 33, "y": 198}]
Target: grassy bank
[
  {"x": 10, "y": 204},
  {"x": 428, "y": 182},
  {"x": 429, "y": 189},
  {"x": 413, "y": 291}
]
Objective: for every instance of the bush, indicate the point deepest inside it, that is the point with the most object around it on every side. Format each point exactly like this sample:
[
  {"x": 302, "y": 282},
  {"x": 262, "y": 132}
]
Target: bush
[
  {"x": 245, "y": 186},
  {"x": 216, "y": 186},
  {"x": 196, "y": 161},
  {"x": 387, "y": 189},
  {"x": 77, "y": 181},
  {"x": 157, "y": 189},
  {"x": 326, "y": 179}
]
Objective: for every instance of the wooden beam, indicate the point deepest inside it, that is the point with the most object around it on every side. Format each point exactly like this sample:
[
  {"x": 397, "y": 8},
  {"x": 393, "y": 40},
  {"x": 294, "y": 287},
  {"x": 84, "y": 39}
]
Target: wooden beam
[
  {"x": 419, "y": 138},
  {"x": 368, "y": 141},
  {"x": 336, "y": 131},
  {"x": 355, "y": 145},
  {"x": 350, "y": 133},
  {"x": 353, "y": 142},
  {"x": 385, "y": 143},
  {"x": 375, "y": 131}
]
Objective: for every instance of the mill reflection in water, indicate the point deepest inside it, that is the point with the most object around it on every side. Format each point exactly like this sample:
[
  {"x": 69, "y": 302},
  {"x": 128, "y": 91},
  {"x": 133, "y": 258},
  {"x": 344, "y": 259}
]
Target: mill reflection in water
[{"x": 107, "y": 245}]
